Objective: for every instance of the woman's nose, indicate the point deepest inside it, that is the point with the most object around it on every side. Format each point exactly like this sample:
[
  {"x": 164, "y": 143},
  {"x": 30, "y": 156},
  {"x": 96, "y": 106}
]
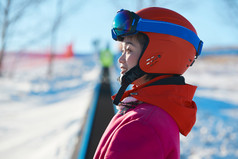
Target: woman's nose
[{"x": 121, "y": 58}]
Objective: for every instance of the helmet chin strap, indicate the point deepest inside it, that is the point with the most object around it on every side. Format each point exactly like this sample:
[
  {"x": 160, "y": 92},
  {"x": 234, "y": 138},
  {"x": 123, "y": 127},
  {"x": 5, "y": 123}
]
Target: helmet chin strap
[{"x": 129, "y": 77}]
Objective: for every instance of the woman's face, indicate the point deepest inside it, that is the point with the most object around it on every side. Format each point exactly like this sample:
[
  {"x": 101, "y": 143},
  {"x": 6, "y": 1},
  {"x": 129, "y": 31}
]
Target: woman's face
[{"x": 131, "y": 50}]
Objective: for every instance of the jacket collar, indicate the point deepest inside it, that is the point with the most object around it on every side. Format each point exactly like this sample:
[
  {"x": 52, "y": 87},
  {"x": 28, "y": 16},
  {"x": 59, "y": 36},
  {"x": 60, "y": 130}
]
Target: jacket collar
[{"x": 171, "y": 94}]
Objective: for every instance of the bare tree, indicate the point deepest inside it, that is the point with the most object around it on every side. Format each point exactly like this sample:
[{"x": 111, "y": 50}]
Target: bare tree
[
  {"x": 4, "y": 30},
  {"x": 15, "y": 10},
  {"x": 55, "y": 27},
  {"x": 60, "y": 16},
  {"x": 12, "y": 11}
]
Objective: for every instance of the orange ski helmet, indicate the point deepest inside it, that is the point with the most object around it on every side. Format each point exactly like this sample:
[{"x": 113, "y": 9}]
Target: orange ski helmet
[
  {"x": 172, "y": 44},
  {"x": 166, "y": 53}
]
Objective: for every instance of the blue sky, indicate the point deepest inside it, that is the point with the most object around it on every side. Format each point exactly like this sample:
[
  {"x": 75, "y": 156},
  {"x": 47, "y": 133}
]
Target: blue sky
[{"x": 93, "y": 19}]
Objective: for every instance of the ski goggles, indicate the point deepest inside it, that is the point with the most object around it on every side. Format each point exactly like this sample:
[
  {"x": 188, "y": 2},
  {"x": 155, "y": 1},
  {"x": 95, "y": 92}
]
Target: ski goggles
[{"x": 128, "y": 23}]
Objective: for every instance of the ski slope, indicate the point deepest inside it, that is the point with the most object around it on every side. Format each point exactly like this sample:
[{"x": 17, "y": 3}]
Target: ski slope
[{"x": 41, "y": 117}]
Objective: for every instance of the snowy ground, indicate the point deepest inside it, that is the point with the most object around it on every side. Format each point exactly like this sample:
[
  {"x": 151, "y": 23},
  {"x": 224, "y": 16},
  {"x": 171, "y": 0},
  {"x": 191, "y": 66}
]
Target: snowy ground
[
  {"x": 215, "y": 133},
  {"x": 216, "y": 77},
  {"x": 41, "y": 117}
]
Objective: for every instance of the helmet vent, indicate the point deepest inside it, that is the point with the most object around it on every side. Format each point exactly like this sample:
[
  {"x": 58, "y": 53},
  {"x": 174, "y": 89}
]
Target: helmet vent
[{"x": 152, "y": 60}]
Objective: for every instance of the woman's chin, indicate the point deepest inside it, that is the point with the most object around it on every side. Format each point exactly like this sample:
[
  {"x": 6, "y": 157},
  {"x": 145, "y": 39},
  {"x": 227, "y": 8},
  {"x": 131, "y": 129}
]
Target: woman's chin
[
  {"x": 122, "y": 72},
  {"x": 119, "y": 79}
]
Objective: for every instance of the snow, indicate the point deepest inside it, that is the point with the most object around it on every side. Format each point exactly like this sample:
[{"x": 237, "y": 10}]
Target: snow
[
  {"x": 215, "y": 132},
  {"x": 46, "y": 131},
  {"x": 40, "y": 116},
  {"x": 216, "y": 77}
]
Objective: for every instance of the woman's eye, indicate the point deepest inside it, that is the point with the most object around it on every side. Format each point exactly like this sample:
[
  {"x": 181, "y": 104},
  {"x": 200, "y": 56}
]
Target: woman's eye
[{"x": 128, "y": 50}]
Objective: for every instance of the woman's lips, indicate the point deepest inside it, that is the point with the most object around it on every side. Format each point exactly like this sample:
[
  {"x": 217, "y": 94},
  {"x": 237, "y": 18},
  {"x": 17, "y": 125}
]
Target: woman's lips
[{"x": 123, "y": 70}]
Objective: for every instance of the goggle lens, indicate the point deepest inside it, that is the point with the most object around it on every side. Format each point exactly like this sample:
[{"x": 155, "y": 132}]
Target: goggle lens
[{"x": 124, "y": 23}]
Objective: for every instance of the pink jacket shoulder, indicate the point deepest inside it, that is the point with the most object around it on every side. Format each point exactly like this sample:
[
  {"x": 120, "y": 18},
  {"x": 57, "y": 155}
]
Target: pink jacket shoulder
[{"x": 146, "y": 131}]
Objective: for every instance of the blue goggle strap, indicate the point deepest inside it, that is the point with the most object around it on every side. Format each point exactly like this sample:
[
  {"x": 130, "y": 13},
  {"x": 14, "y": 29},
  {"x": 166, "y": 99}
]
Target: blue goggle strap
[{"x": 161, "y": 27}]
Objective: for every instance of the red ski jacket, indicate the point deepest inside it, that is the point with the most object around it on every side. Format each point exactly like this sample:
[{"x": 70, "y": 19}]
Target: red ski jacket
[{"x": 150, "y": 129}]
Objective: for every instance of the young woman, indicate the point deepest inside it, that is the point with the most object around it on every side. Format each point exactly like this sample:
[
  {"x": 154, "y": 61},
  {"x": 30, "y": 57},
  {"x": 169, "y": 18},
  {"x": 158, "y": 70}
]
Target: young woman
[{"x": 158, "y": 45}]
